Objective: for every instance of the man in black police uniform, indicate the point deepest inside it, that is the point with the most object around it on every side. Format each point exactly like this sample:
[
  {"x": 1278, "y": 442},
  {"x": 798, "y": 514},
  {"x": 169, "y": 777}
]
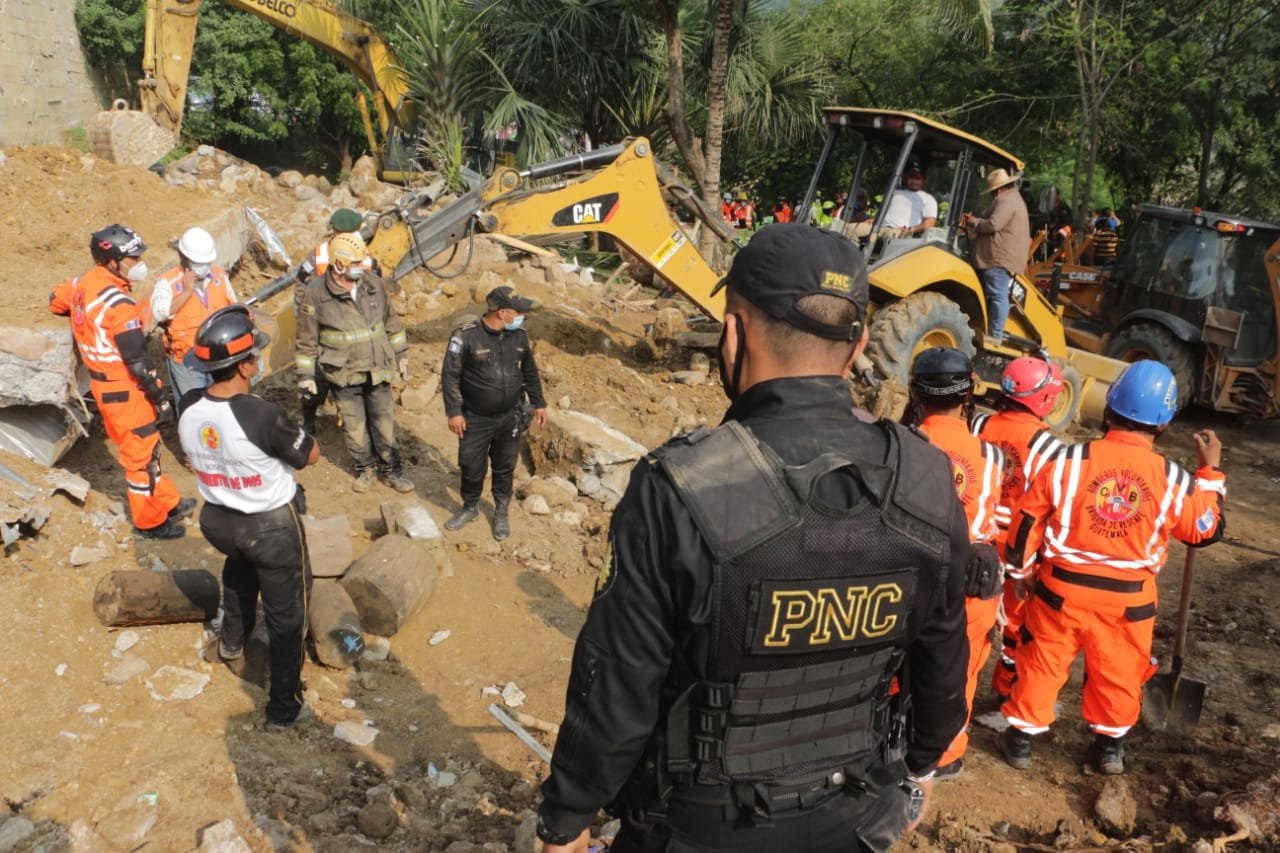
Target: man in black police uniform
[
  {"x": 769, "y": 583},
  {"x": 244, "y": 450},
  {"x": 488, "y": 372}
]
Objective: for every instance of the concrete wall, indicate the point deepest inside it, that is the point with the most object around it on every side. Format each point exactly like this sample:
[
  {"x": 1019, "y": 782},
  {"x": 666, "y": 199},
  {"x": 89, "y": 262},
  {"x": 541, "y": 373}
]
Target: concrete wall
[{"x": 45, "y": 86}]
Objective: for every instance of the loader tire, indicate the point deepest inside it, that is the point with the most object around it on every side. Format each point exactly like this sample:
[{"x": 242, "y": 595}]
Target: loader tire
[
  {"x": 1067, "y": 407},
  {"x": 1151, "y": 340},
  {"x": 904, "y": 329}
]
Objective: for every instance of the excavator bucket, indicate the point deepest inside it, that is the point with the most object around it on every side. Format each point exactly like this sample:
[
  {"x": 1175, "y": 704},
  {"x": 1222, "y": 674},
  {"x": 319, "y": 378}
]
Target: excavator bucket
[{"x": 1099, "y": 372}]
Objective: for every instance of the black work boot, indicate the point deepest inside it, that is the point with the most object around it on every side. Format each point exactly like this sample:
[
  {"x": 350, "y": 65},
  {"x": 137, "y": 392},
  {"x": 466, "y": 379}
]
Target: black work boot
[
  {"x": 1016, "y": 748},
  {"x": 463, "y": 517},
  {"x": 1110, "y": 754},
  {"x": 501, "y": 524},
  {"x": 183, "y": 509}
]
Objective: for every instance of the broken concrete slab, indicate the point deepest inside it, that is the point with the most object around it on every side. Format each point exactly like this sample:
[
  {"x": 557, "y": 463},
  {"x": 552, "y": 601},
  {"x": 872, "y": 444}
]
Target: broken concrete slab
[
  {"x": 417, "y": 397},
  {"x": 588, "y": 451},
  {"x": 411, "y": 518},
  {"x": 172, "y": 683},
  {"x": 328, "y": 544},
  {"x": 74, "y": 485}
]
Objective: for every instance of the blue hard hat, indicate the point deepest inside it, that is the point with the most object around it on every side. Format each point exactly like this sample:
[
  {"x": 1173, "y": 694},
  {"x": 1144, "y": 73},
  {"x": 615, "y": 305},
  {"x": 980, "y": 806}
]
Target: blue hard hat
[{"x": 1146, "y": 393}]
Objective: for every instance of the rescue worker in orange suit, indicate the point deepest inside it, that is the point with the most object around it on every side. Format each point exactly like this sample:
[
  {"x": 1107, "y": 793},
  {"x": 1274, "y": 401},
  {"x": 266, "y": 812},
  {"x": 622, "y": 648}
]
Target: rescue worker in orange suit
[
  {"x": 107, "y": 327},
  {"x": 941, "y": 402},
  {"x": 1030, "y": 389},
  {"x": 1098, "y": 520},
  {"x": 183, "y": 298},
  {"x": 343, "y": 221}
]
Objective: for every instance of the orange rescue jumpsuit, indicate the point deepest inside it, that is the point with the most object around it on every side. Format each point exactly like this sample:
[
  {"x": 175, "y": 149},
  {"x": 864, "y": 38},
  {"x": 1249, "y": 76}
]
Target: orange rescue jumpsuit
[
  {"x": 1098, "y": 519},
  {"x": 105, "y": 321},
  {"x": 1027, "y": 445},
  {"x": 976, "y": 467}
]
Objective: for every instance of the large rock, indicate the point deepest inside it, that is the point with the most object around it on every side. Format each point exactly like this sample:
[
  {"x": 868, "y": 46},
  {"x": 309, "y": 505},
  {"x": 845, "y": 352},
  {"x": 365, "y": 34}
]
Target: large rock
[
  {"x": 364, "y": 176},
  {"x": 290, "y": 179},
  {"x": 1116, "y": 808},
  {"x": 586, "y": 450},
  {"x": 335, "y": 625}
]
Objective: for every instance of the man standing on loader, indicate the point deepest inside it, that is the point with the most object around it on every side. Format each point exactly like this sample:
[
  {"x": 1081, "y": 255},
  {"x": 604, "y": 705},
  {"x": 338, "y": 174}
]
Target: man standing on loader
[
  {"x": 1030, "y": 387},
  {"x": 1001, "y": 241},
  {"x": 1095, "y": 527},
  {"x": 941, "y": 400},
  {"x": 107, "y": 327}
]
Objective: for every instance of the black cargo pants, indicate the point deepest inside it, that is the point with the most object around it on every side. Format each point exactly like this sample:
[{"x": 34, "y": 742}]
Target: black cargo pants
[
  {"x": 869, "y": 823},
  {"x": 266, "y": 553},
  {"x": 488, "y": 439}
]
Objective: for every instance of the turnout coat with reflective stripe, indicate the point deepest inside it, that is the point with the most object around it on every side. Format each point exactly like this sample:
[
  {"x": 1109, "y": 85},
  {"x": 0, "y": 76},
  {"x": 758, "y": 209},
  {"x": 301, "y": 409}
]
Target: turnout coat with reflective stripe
[
  {"x": 1109, "y": 506},
  {"x": 348, "y": 336}
]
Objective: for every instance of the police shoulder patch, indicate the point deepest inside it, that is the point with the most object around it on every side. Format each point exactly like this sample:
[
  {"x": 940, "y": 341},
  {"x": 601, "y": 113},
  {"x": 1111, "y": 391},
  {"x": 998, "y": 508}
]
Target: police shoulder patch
[
  {"x": 604, "y": 581},
  {"x": 455, "y": 344},
  {"x": 826, "y": 614}
]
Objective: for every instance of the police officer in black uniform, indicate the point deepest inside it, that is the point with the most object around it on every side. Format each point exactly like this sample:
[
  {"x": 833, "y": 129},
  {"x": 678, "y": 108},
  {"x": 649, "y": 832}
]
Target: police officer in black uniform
[
  {"x": 489, "y": 378},
  {"x": 244, "y": 451},
  {"x": 775, "y": 655}
]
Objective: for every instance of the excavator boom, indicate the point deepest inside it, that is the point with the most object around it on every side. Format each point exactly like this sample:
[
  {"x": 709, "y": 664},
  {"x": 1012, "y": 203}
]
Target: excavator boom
[{"x": 169, "y": 41}]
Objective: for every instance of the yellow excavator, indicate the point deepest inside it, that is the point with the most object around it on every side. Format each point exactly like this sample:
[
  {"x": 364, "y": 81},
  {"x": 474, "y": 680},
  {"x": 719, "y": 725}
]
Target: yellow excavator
[{"x": 143, "y": 137}]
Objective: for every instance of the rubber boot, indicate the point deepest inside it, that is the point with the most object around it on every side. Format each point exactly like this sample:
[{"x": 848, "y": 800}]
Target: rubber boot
[
  {"x": 501, "y": 524},
  {"x": 463, "y": 517},
  {"x": 1110, "y": 754},
  {"x": 1016, "y": 747}
]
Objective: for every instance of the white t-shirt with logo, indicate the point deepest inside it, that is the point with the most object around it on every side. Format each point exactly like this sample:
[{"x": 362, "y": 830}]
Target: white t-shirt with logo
[
  {"x": 909, "y": 208},
  {"x": 243, "y": 450}
]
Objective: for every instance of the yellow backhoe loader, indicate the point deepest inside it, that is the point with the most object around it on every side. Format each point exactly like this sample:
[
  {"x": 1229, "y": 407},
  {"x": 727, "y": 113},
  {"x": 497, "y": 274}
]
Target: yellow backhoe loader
[
  {"x": 925, "y": 292},
  {"x": 142, "y": 137}
]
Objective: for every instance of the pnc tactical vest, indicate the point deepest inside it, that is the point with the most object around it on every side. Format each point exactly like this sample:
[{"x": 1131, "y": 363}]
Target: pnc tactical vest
[{"x": 811, "y": 607}]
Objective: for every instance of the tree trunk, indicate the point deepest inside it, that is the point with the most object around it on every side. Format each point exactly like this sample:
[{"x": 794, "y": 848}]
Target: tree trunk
[
  {"x": 677, "y": 118},
  {"x": 1207, "y": 130}
]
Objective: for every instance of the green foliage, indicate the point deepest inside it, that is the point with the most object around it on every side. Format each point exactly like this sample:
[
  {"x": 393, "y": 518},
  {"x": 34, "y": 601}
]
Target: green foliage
[
  {"x": 111, "y": 32},
  {"x": 76, "y": 138}
]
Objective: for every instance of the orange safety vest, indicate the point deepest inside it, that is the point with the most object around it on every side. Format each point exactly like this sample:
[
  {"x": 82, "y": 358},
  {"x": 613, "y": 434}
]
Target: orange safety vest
[
  {"x": 1027, "y": 444},
  {"x": 1110, "y": 506},
  {"x": 101, "y": 307},
  {"x": 180, "y": 329},
  {"x": 976, "y": 468}
]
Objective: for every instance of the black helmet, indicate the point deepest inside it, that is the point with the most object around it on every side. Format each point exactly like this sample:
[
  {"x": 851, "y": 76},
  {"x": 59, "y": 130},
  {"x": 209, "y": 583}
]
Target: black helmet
[
  {"x": 115, "y": 242},
  {"x": 942, "y": 372},
  {"x": 227, "y": 337},
  {"x": 914, "y": 164}
]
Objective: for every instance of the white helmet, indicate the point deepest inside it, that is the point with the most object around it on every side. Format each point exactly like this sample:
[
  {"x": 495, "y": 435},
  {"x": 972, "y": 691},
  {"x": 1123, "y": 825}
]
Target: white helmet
[{"x": 197, "y": 246}]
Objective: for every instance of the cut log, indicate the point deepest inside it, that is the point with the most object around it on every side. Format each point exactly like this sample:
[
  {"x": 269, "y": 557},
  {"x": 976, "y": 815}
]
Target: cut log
[
  {"x": 390, "y": 583},
  {"x": 329, "y": 545},
  {"x": 155, "y": 598},
  {"x": 335, "y": 625}
]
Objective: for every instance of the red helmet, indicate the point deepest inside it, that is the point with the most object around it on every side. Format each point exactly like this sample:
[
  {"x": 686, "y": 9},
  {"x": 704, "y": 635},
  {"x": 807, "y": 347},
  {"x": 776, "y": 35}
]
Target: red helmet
[{"x": 1035, "y": 383}]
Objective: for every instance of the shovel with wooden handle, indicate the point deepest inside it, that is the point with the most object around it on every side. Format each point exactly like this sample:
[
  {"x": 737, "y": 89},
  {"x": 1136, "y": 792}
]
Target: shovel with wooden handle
[{"x": 1170, "y": 700}]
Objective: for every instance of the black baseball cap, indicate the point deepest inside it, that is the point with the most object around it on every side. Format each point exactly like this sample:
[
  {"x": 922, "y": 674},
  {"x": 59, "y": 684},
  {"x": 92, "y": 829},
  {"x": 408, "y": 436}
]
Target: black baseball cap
[
  {"x": 788, "y": 261},
  {"x": 506, "y": 297}
]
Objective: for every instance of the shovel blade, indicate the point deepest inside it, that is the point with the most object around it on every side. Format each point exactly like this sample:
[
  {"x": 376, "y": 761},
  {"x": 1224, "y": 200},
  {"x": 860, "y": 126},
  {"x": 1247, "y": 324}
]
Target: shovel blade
[{"x": 1171, "y": 701}]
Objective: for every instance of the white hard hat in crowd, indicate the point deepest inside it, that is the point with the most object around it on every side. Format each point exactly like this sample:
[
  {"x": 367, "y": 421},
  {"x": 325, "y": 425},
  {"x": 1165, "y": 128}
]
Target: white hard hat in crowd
[{"x": 197, "y": 246}]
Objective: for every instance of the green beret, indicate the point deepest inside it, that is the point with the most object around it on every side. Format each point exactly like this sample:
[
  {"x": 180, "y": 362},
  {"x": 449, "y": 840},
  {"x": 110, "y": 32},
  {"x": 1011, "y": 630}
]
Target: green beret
[{"x": 346, "y": 219}]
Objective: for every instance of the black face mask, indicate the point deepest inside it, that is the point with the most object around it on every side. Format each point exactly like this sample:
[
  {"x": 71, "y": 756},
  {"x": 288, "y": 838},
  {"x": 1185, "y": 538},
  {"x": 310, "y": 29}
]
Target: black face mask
[{"x": 731, "y": 389}]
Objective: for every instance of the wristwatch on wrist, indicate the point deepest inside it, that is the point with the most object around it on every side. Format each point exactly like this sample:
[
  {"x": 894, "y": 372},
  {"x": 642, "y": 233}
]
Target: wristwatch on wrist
[{"x": 549, "y": 837}]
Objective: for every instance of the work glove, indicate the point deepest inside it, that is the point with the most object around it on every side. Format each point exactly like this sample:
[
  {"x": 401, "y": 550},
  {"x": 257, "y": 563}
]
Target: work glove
[
  {"x": 307, "y": 387},
  {"x": 983, "y": 574},
  {"x": 404, "y": 366},
  {"x": 165, "y": 415}
]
